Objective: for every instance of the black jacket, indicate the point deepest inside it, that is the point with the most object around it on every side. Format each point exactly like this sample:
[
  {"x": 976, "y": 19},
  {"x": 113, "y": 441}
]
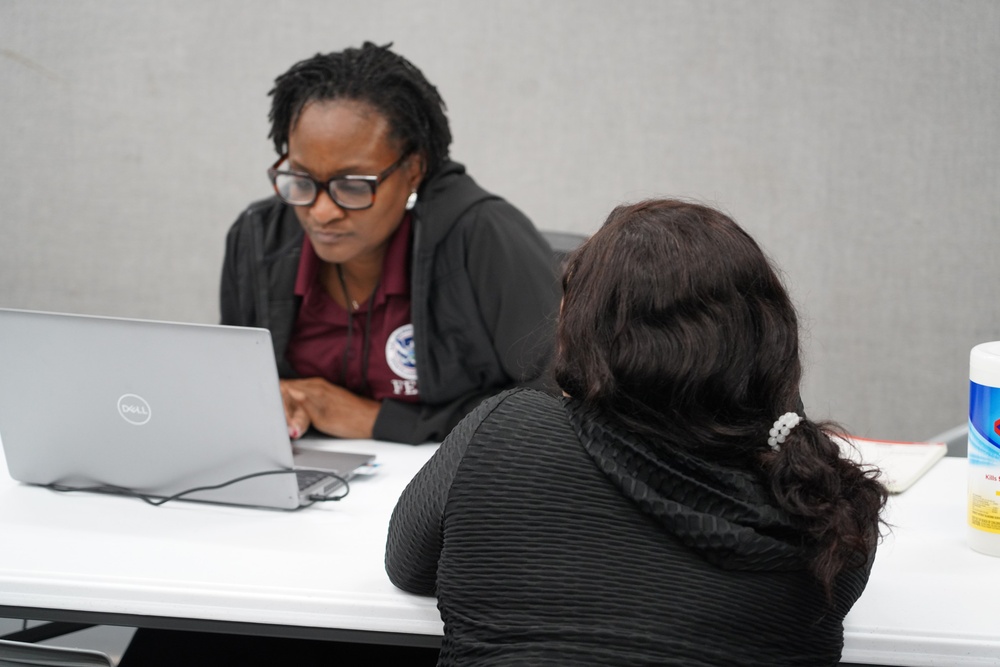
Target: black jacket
[
  {"x": 484, "y": 298},
  {"x": 552, "y": 537}
]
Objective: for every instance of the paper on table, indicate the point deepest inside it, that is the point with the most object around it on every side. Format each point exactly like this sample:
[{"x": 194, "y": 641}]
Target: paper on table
[{"x": 901, "y": 463}]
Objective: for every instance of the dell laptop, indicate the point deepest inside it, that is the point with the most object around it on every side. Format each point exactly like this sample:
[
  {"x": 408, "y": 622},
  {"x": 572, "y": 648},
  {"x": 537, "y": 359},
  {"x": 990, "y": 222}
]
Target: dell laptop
[{"x": 153, "y": 409}]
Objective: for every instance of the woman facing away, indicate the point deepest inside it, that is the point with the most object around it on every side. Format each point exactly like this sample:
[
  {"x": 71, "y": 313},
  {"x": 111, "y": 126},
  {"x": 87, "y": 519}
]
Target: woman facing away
[
  {"x": 675, "y": 507},
  {"x": 398, "y": 292}
]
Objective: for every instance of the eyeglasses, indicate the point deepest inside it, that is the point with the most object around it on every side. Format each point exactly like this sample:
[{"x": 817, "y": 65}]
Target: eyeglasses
[{"x": 351, "y": 192}]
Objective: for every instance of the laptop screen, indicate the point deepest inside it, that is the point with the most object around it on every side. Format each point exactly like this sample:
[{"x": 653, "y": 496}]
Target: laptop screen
[{"x": 156, "y": 407}]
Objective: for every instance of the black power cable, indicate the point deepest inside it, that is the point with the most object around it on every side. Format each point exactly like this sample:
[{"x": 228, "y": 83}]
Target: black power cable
[{"x": 157, "y": 501}]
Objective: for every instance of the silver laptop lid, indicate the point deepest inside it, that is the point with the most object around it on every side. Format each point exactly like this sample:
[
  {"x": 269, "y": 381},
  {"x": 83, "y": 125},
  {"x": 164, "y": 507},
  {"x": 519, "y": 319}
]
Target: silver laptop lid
[{"x": 156, "y": 407}]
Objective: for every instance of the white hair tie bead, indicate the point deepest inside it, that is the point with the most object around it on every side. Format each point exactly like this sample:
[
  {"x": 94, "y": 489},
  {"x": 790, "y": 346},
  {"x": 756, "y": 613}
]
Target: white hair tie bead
[{"x": 782, "y": 427}]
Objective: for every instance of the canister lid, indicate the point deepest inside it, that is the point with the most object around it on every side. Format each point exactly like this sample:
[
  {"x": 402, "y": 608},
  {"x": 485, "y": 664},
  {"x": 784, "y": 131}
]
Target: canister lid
[{"x": 984, "y": 364}]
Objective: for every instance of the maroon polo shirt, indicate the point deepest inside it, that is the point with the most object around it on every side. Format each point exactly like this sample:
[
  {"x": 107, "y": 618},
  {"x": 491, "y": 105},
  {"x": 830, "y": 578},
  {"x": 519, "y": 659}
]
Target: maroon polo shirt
[{"x": 320, "y": 337}]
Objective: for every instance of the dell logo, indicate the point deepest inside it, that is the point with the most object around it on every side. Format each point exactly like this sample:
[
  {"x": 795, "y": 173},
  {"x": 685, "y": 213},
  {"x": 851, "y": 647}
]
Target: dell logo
[{"x": 134, "y": 409}]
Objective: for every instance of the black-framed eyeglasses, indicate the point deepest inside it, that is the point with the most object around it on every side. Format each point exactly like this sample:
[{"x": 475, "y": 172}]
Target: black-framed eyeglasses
[{"x": 352, "y": 192}]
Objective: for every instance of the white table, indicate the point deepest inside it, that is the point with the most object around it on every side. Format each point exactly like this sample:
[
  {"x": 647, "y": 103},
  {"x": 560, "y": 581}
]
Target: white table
[
  {"x": 931, "y": 600},
  {"x": 317, "y": 572}
]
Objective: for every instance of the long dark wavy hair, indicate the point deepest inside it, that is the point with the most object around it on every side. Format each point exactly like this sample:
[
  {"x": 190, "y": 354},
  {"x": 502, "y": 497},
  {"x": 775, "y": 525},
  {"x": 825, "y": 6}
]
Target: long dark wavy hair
[
  {"x": 675, "y": 325},
  {"x": 377, "y": 76}
]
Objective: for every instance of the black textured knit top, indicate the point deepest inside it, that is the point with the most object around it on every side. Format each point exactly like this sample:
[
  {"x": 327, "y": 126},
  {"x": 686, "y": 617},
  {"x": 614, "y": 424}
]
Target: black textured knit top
[{"x": 550, "y": 537}]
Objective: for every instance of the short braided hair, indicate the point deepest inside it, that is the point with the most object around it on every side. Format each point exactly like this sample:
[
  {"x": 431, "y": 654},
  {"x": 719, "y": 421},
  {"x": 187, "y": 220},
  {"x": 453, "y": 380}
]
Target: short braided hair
[{"x": 374, "y": 75}]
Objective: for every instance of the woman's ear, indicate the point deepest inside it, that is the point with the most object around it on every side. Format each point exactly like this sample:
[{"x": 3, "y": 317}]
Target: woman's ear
[{"x": 416, "y": 169}]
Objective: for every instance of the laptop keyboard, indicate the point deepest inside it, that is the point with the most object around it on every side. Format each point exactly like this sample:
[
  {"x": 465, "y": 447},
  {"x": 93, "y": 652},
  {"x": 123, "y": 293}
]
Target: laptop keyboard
[{"x": 309, "y": 477}]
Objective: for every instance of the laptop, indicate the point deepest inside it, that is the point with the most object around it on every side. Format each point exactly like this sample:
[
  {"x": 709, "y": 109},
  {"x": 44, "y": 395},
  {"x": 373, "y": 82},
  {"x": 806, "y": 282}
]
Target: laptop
[{"x": 156, "y": 408}]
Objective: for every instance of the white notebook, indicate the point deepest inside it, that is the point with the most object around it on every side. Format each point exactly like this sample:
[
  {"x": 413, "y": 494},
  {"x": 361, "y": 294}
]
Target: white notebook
[{"x": 901, "y": 463}]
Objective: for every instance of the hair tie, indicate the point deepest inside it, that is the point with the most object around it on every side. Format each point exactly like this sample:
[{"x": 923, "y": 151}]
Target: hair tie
[{"x": 782, "y": 427}]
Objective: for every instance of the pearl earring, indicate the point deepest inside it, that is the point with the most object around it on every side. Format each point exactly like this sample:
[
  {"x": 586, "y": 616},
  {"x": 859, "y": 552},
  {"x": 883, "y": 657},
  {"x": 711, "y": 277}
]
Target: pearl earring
[{"x": 411, "y": 201}]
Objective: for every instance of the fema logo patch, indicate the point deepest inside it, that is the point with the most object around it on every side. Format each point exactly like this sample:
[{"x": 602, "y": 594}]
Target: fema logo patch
[{"x": 400, "y": 353}]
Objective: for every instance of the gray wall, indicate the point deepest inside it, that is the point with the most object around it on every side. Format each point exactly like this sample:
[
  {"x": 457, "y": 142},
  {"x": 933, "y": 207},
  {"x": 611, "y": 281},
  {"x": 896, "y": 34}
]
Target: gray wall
[{"x": 857, "y": 140}]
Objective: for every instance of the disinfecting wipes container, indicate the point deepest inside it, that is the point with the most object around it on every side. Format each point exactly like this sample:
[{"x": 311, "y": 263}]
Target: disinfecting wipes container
[{"x": 984, "y": 448}]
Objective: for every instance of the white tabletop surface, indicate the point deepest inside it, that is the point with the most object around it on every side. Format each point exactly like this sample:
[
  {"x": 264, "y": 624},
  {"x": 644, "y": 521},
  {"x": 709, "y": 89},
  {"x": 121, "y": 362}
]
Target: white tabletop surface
[
  {"x": 931, "y": 600},
  {"x": 320, "y": 567}
]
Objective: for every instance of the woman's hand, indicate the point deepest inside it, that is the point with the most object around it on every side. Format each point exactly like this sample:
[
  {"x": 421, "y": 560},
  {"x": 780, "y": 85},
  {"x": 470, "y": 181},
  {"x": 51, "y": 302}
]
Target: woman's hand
[{"x": 331, "y": 409}]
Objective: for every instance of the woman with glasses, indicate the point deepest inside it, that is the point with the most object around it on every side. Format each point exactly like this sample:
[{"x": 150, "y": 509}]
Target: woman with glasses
[
  {"x": 674, "y": 508},
  {"x": 398, "y": 292}
]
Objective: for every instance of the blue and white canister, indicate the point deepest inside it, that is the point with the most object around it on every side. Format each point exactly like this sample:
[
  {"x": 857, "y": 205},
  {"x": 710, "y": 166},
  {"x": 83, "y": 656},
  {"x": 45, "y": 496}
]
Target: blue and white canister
[{"x": 984, "y": 448}]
